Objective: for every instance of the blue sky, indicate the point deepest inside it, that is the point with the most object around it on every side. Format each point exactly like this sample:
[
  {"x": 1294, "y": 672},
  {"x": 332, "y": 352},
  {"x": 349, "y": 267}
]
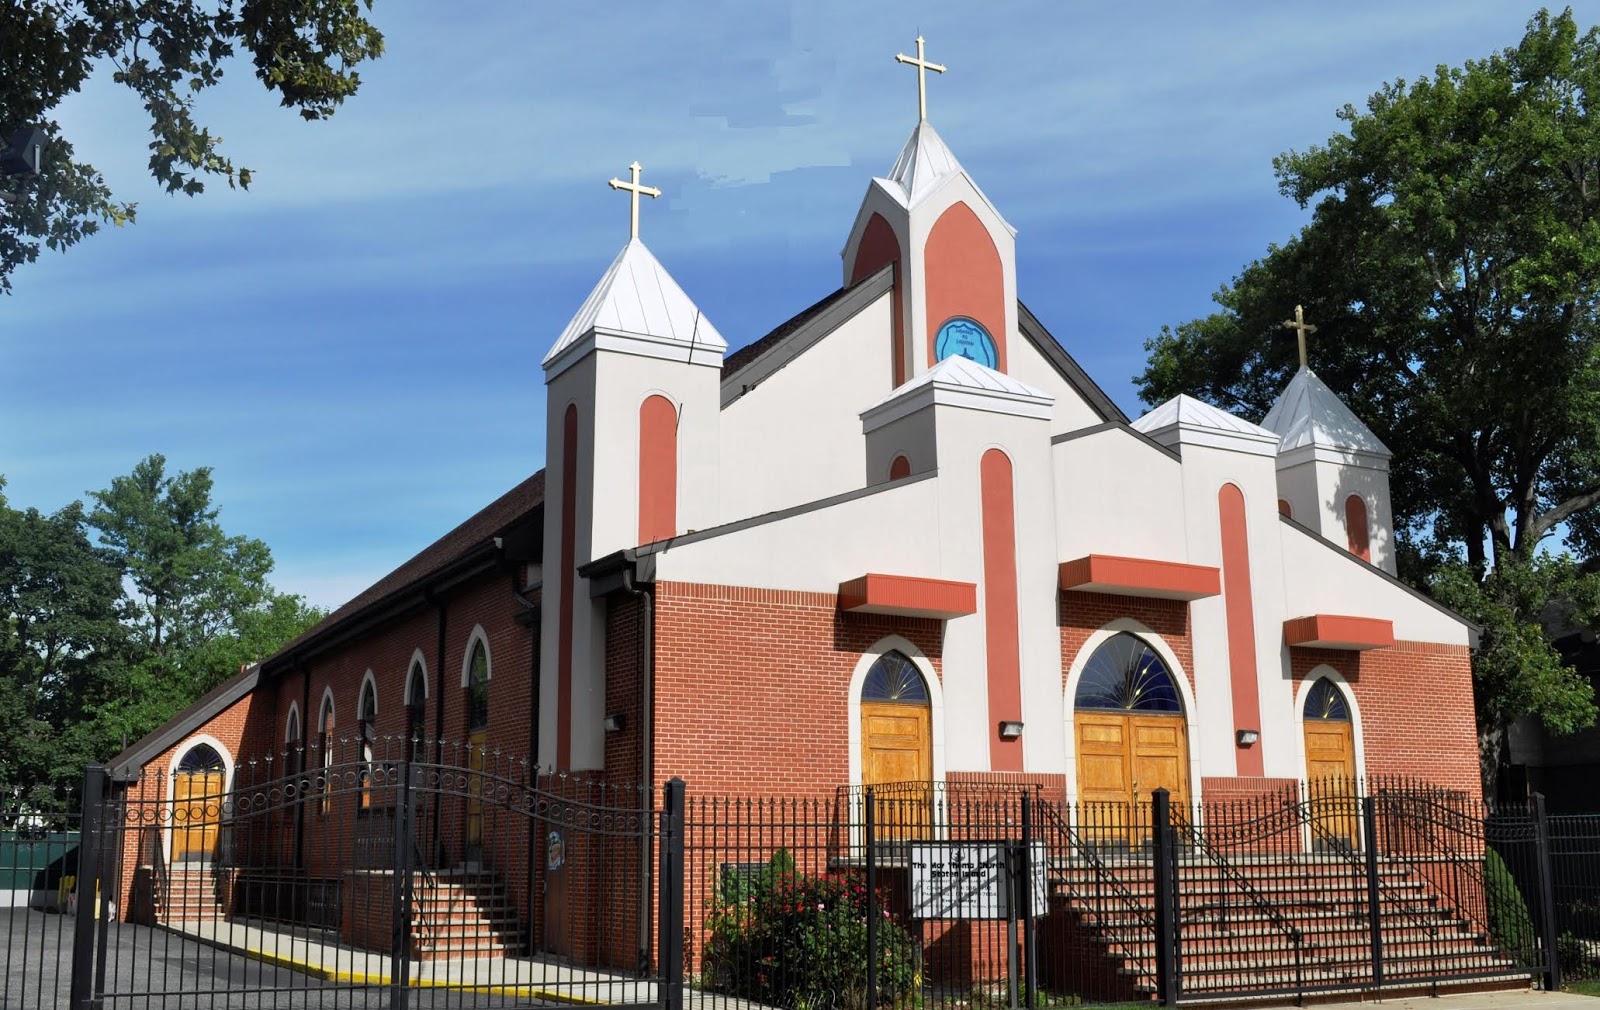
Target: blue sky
[{"x": 354, "y": 344}]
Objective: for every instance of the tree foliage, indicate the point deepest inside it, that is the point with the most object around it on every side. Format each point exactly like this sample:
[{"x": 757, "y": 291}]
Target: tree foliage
[
  {"x": 1452, "y": 266},
  {"x": 167, "y": 52},
  {"x": 104, "y": 638}
]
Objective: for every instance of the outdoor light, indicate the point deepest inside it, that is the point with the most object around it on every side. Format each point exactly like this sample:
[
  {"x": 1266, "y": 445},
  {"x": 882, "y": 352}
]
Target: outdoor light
[
  {"x": 24, "y": 152},
  {"x": 616, "y": 722},
  {"x": 1248, "y": 737},
  {"x": 1010, "y": 729}
]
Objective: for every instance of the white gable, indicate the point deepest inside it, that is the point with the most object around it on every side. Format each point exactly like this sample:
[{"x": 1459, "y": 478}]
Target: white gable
[{"x": 925, "y": 164}]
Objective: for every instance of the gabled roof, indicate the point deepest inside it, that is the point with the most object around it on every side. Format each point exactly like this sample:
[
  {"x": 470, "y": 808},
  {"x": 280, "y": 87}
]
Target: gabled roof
[
  {"x": 1185, "y": 419},
  {"x": 1309, "y": 414},
  {"x": 125, "y": 767},
  {"x": 511, "y": 509},
  {"x": 637, "y": 297},
  {"x": 925, "y": 163}
]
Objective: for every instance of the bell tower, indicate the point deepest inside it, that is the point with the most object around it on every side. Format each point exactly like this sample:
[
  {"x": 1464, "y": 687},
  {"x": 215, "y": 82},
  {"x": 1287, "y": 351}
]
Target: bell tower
[{"x": 953, "y": 255}]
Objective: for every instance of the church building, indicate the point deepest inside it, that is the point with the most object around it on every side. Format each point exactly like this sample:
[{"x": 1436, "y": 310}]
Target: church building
[{"x": 902, "y": 537}]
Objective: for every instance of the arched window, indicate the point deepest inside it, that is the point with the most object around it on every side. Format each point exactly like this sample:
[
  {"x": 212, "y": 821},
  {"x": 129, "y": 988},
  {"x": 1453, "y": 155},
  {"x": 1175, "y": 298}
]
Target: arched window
[
  {"x": 199, "y": 759},
  {"x": 1124, "y": 674},
  {"x": 367, "y": 733},
  {"x": 1356, "y": 529},
  {"x": 325, "y": 735},
  {"x": 416, "y": 696},
  {"x": 1326, "y": 702},
  {"x": 895, "y": 678},
  {"x": 478, "y": 689},
  {"x": 293, "y": 741},
  {"x": 1285, "y": 508}
]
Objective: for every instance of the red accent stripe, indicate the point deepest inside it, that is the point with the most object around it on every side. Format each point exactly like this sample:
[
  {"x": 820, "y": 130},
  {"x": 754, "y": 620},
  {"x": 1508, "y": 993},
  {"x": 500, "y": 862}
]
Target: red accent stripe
[
  {"x": 963, "y": 276},
  {"x": 901, "y": 467},
  {"x": 658, "y": 470},
  {"x": 1355, "y": 526},
  {"x": 1000, "y": 608},
  {"x": 1240, "y": 607},
  {"x": 569, "y": 578},
  {"x": 877, "y": 247}
]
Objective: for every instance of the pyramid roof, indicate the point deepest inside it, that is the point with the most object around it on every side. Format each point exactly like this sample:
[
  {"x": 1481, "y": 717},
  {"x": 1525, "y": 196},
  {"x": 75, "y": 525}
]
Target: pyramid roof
[
  {"x": 1183, "y": 419},
  {"x": 961, "y": 382},
  {"x": 925, "y": 163},
  {"x": 636, "y": 297},
  {"x": 1307, "y": 414}
]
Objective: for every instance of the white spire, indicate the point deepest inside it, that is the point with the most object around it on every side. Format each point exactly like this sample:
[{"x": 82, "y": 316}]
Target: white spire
[
  {"x": 638, "y": 300},
  {"x": 1309, "y": 416},
  {"x": 925, "y": 163},
  {"x": 1185, "y": 420}
]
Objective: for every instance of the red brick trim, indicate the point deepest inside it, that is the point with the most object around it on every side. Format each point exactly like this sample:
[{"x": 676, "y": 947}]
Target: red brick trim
[
  {"x": 1001, "y": 643},
  {"x": 908, "y": 595},
  {"x": 1239, "y": 604},
  {"x": 1166, "y": 580},
  {"x": 1339, "y": 631}
]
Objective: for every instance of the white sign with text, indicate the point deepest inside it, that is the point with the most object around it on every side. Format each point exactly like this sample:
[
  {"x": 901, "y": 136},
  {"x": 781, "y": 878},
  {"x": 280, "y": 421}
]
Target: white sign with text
[{"x": 970, "y": 880}]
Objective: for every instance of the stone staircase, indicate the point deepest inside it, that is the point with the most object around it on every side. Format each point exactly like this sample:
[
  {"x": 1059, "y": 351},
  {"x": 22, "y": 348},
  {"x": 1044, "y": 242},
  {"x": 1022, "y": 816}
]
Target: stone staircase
[
  {"x": 463, "y": 914},
  {"x": 1237, "y": 931}
]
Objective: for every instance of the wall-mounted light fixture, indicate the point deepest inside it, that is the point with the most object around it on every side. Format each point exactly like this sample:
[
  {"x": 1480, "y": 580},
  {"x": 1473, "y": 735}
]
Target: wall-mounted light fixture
[
  {"x": 1248, "y": 737},
  {"x": 616, "y": 722},
  {"x": 1010, "y": 729}
]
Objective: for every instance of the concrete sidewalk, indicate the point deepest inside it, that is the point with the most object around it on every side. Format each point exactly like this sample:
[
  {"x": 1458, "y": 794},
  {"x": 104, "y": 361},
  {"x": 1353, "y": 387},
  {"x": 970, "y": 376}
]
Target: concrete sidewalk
[{"x": 1519, "y": 1000}]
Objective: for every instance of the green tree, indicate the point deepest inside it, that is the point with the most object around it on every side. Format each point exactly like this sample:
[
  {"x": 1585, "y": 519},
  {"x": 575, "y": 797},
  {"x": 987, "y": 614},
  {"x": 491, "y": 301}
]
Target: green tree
[
  {"x": 202, "y": 606},
  {"x": 1452, "y": 266},
  {"x": 167, "y": 52},
  {"x": 63, "y": 650}
]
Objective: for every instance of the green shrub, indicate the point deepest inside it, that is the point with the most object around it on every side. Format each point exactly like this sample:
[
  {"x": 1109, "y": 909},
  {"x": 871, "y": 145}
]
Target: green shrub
[
  {"x": 800, "y": 942},
  {"x": 1510, "y": 925},
  {"x": 1580, "y": 959}
]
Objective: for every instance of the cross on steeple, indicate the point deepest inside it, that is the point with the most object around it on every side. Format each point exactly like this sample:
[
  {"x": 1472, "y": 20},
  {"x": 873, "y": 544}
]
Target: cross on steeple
[
  {"x": 923, "y": 66},
  {"x": 1301, "y": 328},
  {"x": 635, "y": 190}
]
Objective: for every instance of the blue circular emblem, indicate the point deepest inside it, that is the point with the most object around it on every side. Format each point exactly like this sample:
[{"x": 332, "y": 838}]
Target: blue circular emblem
[{"x": 965, "y": 336}]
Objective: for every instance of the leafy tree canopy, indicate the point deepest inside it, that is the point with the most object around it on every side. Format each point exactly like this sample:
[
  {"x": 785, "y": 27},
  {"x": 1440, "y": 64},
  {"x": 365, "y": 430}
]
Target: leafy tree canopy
[
  {"x": 1452, "y": 267},
  {"x": 167, "y": 52}
]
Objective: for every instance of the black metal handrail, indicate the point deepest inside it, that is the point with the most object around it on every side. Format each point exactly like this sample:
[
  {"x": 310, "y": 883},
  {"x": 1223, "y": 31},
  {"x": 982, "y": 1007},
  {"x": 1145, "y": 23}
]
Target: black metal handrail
[{"x": 1197, "y": 840}]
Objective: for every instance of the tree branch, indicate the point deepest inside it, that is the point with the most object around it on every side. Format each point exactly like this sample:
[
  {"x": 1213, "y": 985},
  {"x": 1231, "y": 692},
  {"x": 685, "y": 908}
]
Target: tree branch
[{"x": 1561, "y": 513}]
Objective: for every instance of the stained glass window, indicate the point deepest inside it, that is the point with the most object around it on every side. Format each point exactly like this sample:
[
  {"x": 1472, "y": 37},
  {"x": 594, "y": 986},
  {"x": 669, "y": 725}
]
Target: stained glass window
[
  {"x": 894, "y": 677},
  {"x": 416, "y": 694},
  {"x": 478, "y": 689},
  {"x": 1326, "y": 701},
  {"x": 202, "y": 757},
  {"x": 1125, "y": 674}
]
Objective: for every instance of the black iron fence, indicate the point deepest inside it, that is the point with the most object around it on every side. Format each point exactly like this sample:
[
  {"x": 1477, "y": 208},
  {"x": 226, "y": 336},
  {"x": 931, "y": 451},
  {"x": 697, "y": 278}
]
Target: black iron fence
[{"x": 371, "y": 874}]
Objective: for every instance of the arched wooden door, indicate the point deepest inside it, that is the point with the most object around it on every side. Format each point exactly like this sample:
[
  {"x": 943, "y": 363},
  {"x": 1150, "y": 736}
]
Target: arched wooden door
[
  {"x": 1132, "y": 739},
  {"x": 897, "y": 745},
  {"x": 1331, "y": 768},
  {"x": 197, "y": 795}
]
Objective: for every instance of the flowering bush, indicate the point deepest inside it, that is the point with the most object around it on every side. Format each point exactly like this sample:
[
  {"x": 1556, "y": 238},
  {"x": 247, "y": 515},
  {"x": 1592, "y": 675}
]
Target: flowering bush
[{"x": 800, "y": 942}]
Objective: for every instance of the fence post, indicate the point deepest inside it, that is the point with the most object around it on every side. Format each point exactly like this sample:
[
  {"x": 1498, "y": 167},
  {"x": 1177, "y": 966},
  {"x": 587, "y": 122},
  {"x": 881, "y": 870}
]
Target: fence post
[
  {"x": 1547, "y": 895},
  {"x": 670, "y": 895},
  {"x": 400, "y": 938},
  {"x": 869, "y": 835},
  {"x": 1025, "y": 891},
  {"x": 1167, "y": 984},
  {"x": 91, "y": 824},
  {"x": 1369, "y": 833}
]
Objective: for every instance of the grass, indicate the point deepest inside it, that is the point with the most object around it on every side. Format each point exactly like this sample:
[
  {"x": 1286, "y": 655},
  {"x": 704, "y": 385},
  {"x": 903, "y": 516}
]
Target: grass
[{"x": 1590, "y": 987}]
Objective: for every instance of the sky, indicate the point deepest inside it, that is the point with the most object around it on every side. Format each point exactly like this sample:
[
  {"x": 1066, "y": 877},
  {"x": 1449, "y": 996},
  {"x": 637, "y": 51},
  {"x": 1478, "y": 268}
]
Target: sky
[{"x": 353, "y": 345}]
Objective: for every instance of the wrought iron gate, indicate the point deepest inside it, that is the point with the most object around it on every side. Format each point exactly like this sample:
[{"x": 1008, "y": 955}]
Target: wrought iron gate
[{"x": 343, "y": 874}]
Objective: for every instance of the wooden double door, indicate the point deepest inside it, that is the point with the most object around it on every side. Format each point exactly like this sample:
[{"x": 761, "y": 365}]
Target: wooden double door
[{"x": 1123, "y": 757}]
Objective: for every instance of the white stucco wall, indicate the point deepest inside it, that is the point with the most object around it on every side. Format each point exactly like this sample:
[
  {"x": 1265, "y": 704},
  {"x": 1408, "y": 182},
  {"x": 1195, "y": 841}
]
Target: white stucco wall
[
  {"x": 796, "y": 437},
  {"x": 1118, "y": 494},
  {"x": 1071, "y": 411}
]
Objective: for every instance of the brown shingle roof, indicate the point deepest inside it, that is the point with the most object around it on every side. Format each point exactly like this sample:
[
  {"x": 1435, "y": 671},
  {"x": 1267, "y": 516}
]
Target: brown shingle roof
[{"x": 491, "y": 521}]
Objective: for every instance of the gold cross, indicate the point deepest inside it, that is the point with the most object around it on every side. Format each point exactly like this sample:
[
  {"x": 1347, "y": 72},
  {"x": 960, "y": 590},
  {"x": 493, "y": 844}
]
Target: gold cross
[
  {"x": 635, "y": 189},
  {"x": 1301, "y": 328},
  {"x": 923, "y": 66}
]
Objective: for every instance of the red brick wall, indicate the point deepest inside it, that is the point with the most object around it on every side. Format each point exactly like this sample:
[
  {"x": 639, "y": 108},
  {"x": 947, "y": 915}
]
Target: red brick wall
[
  {"x": 1082, "y": 614},
  {"x": 751, "y": 686},
  {"x": 1417, "y": 717}
]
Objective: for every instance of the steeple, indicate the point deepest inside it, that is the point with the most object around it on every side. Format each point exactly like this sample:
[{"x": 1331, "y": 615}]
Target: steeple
[
  {"x": 953, "y": 254},
  {"x": 1333, "y": 472}
]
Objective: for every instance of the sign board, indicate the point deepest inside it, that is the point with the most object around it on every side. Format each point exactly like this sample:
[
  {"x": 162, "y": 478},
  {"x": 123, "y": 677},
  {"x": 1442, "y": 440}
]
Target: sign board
[{"x": 972, "y": 880}]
